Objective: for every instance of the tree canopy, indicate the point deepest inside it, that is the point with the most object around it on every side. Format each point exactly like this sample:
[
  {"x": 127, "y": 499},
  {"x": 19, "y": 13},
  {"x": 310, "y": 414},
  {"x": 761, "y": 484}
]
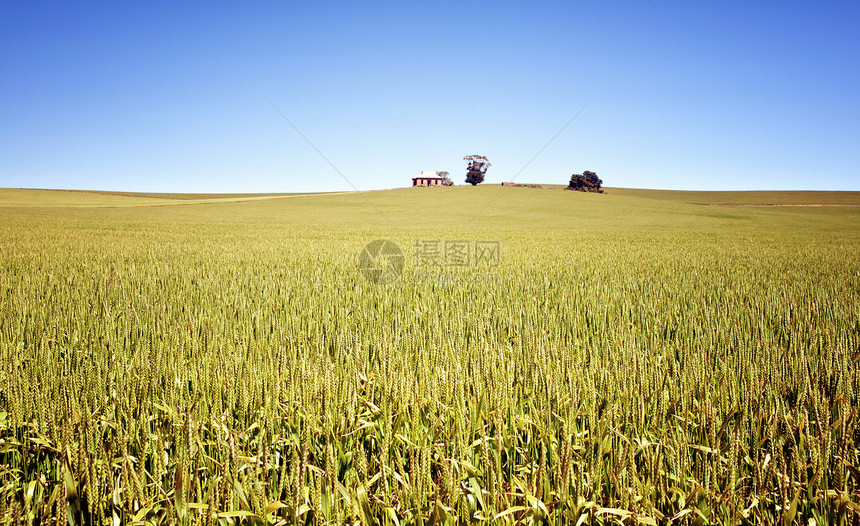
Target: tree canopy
[
  {"x": 476, "y": 169},
  {"x": 587, "y": 181}
]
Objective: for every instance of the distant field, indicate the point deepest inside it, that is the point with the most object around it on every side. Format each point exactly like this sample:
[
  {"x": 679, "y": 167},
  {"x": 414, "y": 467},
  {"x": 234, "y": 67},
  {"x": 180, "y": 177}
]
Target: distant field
[
  {"x": 741, "y": 198},
  {"x": 87, "y": 198},
  {"x": 181, "y": 196},
  {"x": 28, "y": 198},
  {"x": 754, "y": 197},
  {"x": 539, "y": 357}
]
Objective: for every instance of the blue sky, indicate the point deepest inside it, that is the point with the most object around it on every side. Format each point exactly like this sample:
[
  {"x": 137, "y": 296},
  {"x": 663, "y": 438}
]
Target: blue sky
[{"x": 153, "y": 97}]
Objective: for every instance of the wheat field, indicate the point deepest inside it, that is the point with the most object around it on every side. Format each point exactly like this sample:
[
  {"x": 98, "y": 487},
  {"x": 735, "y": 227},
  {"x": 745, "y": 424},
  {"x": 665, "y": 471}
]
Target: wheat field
[{"x": 627, "y": 358}]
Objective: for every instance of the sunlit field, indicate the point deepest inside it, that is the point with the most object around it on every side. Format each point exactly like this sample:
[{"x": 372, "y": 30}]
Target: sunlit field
[{"x": 634, "y": 357}]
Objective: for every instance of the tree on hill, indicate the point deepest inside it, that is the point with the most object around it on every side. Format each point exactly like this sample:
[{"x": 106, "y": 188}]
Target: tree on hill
[
  {"x": 476, "y": 169},
  {"x": 446, "y": 181},
  {"x": 585, "y": 182}
]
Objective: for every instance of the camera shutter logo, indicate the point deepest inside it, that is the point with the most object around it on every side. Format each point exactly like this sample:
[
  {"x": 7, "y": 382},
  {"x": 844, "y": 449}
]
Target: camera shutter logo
[{"x": 381, "y": 261}]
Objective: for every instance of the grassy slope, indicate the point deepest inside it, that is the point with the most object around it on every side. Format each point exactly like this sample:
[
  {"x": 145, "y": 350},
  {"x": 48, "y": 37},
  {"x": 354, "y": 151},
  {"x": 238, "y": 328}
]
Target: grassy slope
[
  {"x": 25, "y": 198},
  {"x": 538, "y": 219},
  {"x": 753, "y": 197},
  {"x": 455, "y": 196},
  {"x": 194, "y": 196},
  {"x": 463, "y": 209},
  {"x": 460, "y": 211},
  {"x": 736, "y": 197}
]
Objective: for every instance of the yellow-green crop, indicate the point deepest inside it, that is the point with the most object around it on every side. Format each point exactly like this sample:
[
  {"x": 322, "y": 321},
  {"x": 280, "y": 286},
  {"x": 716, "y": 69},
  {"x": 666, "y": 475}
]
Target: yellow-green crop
[{"x": 633, "y": 359}]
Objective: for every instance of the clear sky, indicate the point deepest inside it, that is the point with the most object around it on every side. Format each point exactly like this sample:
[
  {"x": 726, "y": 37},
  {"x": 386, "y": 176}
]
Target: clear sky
[{"x": 157, "y": 96}]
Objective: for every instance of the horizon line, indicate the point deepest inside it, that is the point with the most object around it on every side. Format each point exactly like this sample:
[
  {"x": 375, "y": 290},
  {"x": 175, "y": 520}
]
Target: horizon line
[{"x": 321, "y": 192}]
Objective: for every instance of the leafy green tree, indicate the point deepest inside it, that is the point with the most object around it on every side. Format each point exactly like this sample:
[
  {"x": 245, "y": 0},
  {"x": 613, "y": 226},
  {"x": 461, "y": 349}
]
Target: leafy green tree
[
  {"x": 587, "y": 181},
  {"x": 476, "y": 169}
]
